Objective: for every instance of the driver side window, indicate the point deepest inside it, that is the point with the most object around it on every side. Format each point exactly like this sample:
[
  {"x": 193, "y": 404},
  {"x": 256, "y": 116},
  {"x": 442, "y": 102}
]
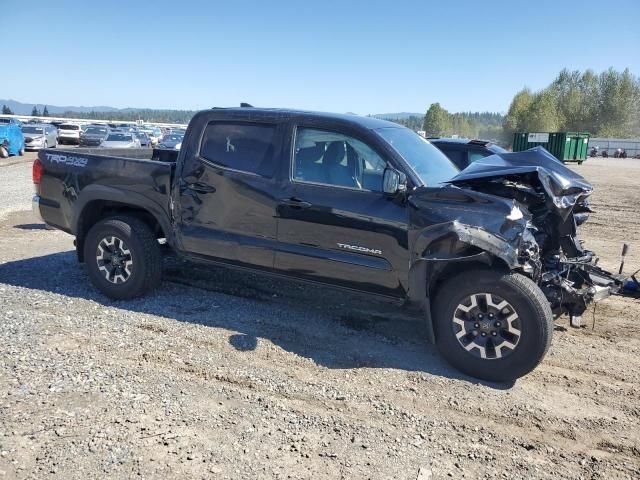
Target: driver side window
[{"x": 330, "y": 158}]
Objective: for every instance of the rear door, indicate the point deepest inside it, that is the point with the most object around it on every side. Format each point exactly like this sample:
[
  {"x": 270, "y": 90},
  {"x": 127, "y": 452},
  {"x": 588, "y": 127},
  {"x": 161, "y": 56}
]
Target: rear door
[
  {"x": 334, "y": 223},
  {"x": 227, "y": 192}
]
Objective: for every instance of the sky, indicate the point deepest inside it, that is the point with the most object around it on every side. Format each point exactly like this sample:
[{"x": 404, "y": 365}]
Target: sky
[{"x": 365, "y": 56}]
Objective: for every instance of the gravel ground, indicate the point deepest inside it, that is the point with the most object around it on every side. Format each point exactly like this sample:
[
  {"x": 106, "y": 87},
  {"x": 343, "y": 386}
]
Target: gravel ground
[
  {"x": 16, "y": 188},
  {"x": 223, "y": 375}
]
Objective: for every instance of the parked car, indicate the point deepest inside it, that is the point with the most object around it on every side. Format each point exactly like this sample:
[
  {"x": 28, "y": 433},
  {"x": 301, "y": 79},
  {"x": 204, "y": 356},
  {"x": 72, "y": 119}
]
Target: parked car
[
  {"x": 155, "y": 135},
  {"x": 94, "y": 135},
  {"x": 40, "y": 136},
  {"x": 69, "y": 133},
  {"x": 353, "y": 202},
  {"x": 11, "y": 137},
  {"x": 121, "y": 140},
  {"x": 462, "y": 151},
  {"x": 171, "y": 141},
  {"x": 144, "y": 139}
]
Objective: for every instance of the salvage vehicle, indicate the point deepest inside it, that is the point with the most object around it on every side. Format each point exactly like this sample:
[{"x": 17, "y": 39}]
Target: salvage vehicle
[
  {"x": 462, "y": 151},
  {"x": 120, "y": 139},
  {"x": 94, "y": 135},
  {"x": 486, "y": 257},
  {"x": 40, "y": 136},
  {"x": 69, "y": 133},
  {"x": 11, "y": 137},
  {"x": 171, "y": 141}
]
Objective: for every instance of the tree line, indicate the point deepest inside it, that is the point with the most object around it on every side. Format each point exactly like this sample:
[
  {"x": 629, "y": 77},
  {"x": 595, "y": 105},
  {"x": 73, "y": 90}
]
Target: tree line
[
  {"x": 148, "y": 115},
  {"x": 605, "y": 105}
]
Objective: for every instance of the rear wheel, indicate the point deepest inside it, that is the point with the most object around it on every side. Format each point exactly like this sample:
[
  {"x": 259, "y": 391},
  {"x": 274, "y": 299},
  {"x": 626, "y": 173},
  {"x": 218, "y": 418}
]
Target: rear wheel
[
  {"x": 122, "y": 257},
  {"x": 4, "y": 153},
  {"x": 21, "y": 152},
  {"x": 492, "y": 325}
]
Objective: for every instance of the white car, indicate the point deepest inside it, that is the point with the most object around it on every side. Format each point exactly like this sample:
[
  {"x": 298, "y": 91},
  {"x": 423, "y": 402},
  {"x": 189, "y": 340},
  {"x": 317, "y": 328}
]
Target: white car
[
  {"x": 69, "y": 133},
  {"x": 121, "y": 140}
]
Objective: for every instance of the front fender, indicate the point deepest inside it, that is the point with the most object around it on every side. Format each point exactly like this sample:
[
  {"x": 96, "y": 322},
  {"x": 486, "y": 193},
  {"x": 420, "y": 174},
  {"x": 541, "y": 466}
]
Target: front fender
[
  {"x": 432, "y": 242},
  {"x": 440, "y": 246}
]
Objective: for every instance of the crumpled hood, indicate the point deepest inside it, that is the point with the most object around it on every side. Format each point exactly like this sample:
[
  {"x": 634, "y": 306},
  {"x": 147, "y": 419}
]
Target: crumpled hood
[{"x": 563, "y": 187}]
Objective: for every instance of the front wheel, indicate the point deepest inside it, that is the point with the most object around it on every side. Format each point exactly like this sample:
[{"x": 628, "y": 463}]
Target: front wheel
[
  {"x": 122, "y": 257},
  {"x": 492, "y": 325}
]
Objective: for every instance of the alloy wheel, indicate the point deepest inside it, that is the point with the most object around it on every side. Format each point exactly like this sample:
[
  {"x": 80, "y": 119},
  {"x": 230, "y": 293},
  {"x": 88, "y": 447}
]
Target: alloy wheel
[
  {"x": 487, "y": 326},
  {"x": 114, "y": 260}
]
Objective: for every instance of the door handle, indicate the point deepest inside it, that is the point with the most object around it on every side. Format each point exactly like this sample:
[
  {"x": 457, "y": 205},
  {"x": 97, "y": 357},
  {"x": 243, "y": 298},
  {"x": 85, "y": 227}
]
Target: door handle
[
  {"x": 201, "y": 187},
  {"x": 294, "y": 202}
]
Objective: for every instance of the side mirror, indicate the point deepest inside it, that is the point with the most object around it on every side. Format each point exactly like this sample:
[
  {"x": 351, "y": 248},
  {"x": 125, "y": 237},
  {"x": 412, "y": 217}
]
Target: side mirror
[{"x": 393, "y": 182}]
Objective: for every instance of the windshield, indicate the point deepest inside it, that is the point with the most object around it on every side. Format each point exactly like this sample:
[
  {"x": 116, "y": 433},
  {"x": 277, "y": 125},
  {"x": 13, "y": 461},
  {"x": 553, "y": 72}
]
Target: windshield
[
  {"x": 69, "y": 127},
  {"x": 173, "y": 138},
  {"x": 5, "y": 120},
  {"x": 430, "y": 164},
  {"x": 37, "y": 130},
  {"x": 96, "y": 130},
  {"x": 119, "y": 137}
]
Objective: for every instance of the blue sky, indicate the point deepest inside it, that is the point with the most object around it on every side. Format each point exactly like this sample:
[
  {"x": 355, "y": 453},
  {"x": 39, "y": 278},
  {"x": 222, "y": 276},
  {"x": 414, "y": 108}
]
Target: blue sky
[{"x": 359, "y": 56}]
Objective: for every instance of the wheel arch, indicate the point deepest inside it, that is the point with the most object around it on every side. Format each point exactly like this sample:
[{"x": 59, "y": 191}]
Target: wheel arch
[
  {"x": 98, "y": 209},
  {"x": 444, "y": 251}
]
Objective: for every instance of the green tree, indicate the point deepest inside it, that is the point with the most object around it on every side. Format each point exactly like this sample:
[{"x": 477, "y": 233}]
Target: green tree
[
  {"x": 436, "y": 121},
  {"x": 45, "y": 112},
  {"x": 35, "y": 112},
  {"x": 6, "y": 110},
  {"x": 543, "y": 115},
  {"x": 516, "y": 118}
]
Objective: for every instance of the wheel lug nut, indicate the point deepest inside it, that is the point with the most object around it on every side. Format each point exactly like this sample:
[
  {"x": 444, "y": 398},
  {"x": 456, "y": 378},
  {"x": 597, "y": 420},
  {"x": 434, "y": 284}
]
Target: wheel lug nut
[
  {"x": 494, "y": 333},
  {"x": 477, "y": 325},
  {"x": 480, "y": 316},
  {"x": 474, "y": 333},
  {"x": 498, "y": 324},
  {"x": 491, "y": 315},
  {"x": 484, "y": 334}
]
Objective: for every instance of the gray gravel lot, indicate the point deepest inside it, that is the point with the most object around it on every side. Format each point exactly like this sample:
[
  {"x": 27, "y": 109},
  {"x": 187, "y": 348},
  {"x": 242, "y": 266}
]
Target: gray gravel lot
[
  {"x": 219, "y": 374},
  {"x": 17, "y": 188}
]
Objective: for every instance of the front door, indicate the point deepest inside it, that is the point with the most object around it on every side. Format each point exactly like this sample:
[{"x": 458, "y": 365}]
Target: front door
[{"x": 334, "y": 223}]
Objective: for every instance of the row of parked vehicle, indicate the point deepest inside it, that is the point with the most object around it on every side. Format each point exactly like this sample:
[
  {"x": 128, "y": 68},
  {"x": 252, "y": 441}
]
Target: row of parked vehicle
[{"x": 16, "y": 137}]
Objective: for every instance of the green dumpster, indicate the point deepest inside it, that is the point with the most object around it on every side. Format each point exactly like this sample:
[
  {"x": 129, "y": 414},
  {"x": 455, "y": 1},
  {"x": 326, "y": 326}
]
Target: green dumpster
[{"x": 565, "y": 146}]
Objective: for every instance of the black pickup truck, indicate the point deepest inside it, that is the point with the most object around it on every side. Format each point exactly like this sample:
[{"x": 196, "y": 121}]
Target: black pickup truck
[{"x": 487, "y": 256}]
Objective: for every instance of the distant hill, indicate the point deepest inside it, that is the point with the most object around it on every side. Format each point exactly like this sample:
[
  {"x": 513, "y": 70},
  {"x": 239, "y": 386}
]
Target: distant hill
[{"x": 20, "y": 108}]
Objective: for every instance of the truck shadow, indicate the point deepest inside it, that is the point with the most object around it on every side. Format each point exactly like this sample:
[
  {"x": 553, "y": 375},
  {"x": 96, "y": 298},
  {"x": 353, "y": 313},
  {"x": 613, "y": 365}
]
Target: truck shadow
[{"x": 334, "y": 329}]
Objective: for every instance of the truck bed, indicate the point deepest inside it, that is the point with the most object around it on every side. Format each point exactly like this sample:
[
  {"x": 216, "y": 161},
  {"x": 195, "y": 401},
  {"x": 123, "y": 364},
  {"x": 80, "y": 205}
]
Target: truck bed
[{"x": 72, "y": 179}]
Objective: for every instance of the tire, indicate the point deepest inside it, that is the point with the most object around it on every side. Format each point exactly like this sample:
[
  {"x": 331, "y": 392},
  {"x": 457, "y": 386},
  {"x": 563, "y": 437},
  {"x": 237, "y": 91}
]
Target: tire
[
  {"x": 138, "y": 263},
  {"x": 4, "y": 153},
  {"x": 521, "y": 342},
  {"x": 21, "y": 152}
]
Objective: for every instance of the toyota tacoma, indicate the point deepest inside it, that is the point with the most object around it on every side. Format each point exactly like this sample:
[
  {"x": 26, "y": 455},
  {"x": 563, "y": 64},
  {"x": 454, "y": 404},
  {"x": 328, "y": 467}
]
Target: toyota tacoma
[{"x": 487, "y": 256}]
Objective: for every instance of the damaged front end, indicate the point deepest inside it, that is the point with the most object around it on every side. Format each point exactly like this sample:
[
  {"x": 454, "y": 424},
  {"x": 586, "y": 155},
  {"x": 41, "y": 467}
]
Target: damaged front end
[{"x": 556, "y": 199}]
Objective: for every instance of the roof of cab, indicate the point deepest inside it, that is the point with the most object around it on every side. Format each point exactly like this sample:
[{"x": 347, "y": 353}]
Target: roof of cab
[{"x": 252, "y": 112}]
